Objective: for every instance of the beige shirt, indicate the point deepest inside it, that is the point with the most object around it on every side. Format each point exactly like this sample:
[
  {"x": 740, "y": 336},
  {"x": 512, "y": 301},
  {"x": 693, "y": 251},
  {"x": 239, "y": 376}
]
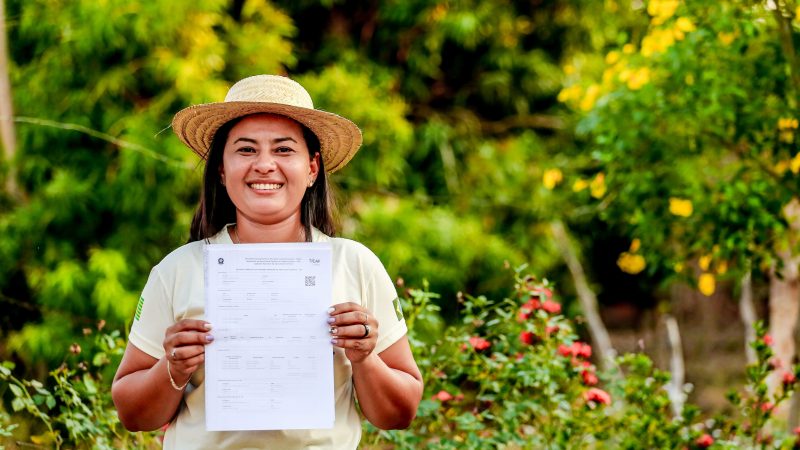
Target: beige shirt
[{"x": 176, "y": 290}]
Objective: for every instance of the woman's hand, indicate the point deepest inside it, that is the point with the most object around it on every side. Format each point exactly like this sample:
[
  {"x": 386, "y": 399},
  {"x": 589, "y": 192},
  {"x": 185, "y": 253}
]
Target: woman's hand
[
  {"x": 184, "y": 344},
  {"x": 354, "y": 329}
]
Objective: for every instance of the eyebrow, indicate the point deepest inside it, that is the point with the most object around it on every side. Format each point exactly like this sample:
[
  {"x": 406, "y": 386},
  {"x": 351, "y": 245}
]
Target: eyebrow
[{"x": 274, "y": 141}]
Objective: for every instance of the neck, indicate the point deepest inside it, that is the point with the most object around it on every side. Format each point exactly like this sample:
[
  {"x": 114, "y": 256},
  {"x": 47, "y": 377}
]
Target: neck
[{"x": 249, "y": 232}]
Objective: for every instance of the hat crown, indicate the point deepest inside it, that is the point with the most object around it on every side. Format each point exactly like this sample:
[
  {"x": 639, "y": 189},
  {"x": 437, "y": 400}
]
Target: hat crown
[{"x": 270, "y": 89}]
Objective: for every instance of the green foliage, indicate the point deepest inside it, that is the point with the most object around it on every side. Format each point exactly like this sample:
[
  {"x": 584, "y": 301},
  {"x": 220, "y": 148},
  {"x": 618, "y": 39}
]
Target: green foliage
[{"x": 75, "y": 409}]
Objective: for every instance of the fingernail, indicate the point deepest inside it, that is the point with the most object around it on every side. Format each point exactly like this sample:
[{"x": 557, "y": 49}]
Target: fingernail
[
  {"x": 209, "y": 337},
  {"x": 331, "y": 310},
  {"x": 207, "y": 326},
  {"x": 331, "y": 319},
  {"x": 334, "y": 341},
  {"x": 334, "y": 330}
]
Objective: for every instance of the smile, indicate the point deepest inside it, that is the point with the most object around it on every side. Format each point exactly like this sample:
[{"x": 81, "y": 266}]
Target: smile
[{"x": 265, "y": 186}]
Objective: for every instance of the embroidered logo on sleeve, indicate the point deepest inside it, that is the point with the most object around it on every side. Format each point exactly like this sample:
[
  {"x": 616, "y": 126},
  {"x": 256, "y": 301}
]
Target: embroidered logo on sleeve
[
  {"x": 397, "y": 309},
  {"x": 139, "y": 308}
]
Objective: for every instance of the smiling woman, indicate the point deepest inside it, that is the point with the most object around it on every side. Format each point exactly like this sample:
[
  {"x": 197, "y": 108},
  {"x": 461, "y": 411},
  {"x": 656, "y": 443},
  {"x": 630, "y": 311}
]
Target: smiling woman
[{"x": 267, "y": 151}]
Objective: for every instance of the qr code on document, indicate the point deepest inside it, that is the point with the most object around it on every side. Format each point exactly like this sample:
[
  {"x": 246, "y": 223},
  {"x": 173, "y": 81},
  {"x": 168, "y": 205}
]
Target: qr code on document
[{"x": 311, "y": 280}]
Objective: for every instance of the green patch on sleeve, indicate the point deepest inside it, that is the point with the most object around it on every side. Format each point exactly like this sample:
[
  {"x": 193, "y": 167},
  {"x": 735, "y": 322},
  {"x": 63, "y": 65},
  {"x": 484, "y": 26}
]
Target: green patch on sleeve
[
  {"x": 397, "y": 309},
  {"x": 139, "y": 308}
]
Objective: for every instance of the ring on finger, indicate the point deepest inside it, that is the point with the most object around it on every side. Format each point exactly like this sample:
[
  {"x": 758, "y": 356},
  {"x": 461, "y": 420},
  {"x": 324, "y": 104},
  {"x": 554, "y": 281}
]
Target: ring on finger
[
  {"x": 172, "y": 354},
  {"x": 366, "y": 331}
]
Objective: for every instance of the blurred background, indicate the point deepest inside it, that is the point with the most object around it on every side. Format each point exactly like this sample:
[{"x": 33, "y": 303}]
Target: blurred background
[{"x": 640, "y": 155}]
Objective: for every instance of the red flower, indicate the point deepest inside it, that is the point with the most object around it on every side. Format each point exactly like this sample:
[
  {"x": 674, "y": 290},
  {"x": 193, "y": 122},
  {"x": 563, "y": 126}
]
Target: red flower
[
  {"x": 442, "y": 396},
  {"x": 597, "y": 396},
  {"x": 767, "y": 339},
  {"x": 551, "y": 307},
  {"x": 775, "y": 363},
  {"x": 704, "y": 441},
  {"x": 479, "y": 343},
  {"x": 533, "y": 304},
  {"x": 789, "y": 378},
  {"x": 563, "y": 350},
  {"x": 589, "y": 378},
  {"x": 523, "y": 315},
  {"x": 551, "y": 329},
  {"x": 581, "y": 349},
  {"x": 527, "y": 337},
  {"x": 766, "y": 407}
]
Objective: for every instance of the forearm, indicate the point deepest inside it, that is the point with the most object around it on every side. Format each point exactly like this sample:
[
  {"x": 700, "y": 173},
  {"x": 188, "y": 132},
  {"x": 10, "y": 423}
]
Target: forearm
[
  {"x": 145, "y": 399},
  {"x": 388, "y": 397}
]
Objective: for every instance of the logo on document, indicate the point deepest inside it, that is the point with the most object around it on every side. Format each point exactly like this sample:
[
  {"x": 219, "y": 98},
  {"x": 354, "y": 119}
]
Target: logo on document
[
  {"x": 314, "y": 261},
  {"x": 221, "y": 261}
]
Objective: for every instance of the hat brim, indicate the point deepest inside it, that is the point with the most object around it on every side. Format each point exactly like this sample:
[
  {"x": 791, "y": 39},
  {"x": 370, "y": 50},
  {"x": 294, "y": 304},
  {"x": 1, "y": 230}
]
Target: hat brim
[{"x": 339, "y": 138}]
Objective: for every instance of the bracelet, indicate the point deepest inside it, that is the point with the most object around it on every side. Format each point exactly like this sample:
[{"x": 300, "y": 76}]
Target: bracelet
[{"x": 172, "y": 382}]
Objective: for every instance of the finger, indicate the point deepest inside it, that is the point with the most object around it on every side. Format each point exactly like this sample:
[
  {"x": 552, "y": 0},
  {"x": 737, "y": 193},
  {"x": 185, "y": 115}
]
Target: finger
[
  {"x": 358, "y": 331},
  {"x": 185, "y": 338},
  {"x": 186, "y": 352},
  {"x": 350, "y": 318},
  {"x": 189, "y": 325},
  {"x": 345, "y": 307},
  {"x": 188, "y": 366}
]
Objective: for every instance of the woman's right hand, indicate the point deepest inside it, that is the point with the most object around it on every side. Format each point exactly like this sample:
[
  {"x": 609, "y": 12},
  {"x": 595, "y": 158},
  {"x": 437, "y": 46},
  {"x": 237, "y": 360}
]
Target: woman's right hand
[{"x": 184, "y": 345}]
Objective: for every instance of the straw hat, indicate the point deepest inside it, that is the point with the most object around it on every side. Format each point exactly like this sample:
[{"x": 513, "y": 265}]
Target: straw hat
[{"x": 339, "y": 138}]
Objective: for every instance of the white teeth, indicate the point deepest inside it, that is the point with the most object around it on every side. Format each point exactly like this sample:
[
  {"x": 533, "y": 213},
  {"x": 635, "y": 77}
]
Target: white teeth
[{"x": 265, "y": 186}]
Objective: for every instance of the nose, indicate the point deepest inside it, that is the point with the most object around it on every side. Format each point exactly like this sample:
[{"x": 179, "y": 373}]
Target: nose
[{"x": 264, "y": 162}]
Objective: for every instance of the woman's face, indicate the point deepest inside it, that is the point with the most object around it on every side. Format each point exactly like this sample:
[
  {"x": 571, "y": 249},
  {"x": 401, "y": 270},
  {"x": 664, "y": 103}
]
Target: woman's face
[{"x": 266, "y": 168}]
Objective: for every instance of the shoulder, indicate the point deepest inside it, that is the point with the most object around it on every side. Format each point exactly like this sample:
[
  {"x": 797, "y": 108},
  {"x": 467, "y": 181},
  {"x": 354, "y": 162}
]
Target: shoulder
[
  {"x": 182, "y": 258},
  {"x": 354, "y": 251}
]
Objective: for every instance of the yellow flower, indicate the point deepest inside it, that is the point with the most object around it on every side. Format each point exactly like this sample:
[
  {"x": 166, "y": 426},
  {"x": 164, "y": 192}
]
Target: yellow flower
[
  {"x": 787, "y": 123},
  {"x": 794, "y": 164},
  {"x": 707, "y": 284},
  {"x": 573, "y": 92},
  {"x": 589, "y": 98},
  {"x": 598, "y": 185},
  {"x": 631, "y": 263},
  {"x": 551, "y": 178},
  {"x": 726, "y": 38},
  {"x": 628, "y": 49},
  {"x": 579, "y": 185},
  {"x": 782, "y": 166},
  {"x": 689, "y": 79},
  {"x": 685, "y": 24},
  {"x": 635, "y": 245},
  {"x": 678, "y": 267},
  {"x": 639, "y": 78},
  {"x": 658, "y": 41},
  {"x": 704, "y": 262},
  {"x": 722, "y": 267},
  {"x": 680, "y": 207},
  {"x": 661, "y": 10},
  {"x": 612, "y": 57}
]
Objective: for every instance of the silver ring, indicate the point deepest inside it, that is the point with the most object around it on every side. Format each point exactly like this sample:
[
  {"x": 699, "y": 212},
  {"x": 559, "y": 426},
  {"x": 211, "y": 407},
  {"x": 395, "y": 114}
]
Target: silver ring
[
  {"x": 172, "y": 354},
  {"x": 366, "y": 330}
]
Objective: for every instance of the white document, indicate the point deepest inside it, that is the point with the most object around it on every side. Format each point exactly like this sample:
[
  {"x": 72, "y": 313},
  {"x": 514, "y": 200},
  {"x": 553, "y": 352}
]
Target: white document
[{"x": 270, "y": 366}]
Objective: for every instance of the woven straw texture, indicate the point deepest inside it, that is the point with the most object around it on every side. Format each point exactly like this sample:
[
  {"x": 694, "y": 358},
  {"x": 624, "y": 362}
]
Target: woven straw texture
[{"x": 339, "y": 138}]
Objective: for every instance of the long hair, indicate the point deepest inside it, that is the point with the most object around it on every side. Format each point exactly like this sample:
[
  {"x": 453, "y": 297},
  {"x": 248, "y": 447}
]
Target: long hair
[{"x": 215, "y": 209}]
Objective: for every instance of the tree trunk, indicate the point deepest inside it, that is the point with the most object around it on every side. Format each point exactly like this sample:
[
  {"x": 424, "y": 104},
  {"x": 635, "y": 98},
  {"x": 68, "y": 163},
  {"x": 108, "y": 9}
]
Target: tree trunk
[
  {"x": 784, "y": 301},
  {"x": 599, "y": 335},
  {"x": 675, "y": 390},
  {"x": 747, "y": 311},
  {"x": 7, "y": 139}
]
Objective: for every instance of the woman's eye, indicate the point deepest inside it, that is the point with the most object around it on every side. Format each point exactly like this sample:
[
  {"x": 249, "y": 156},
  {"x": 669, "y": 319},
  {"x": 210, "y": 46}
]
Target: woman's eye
[
  {"x": 284, "y": 150},
  {"x": 246, "y": 150}
]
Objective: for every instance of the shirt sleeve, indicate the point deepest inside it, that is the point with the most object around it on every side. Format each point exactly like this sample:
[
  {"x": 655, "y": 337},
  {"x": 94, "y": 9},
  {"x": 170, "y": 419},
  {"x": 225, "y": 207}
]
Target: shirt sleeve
[
  {"x": 383, "y": 302},
  {"x": 152, "y": 317}
]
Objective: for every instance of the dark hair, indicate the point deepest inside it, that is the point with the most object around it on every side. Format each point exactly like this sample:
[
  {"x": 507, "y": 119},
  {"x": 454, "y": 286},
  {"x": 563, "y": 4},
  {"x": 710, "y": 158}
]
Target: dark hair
[{"x": 216, "y": 209}]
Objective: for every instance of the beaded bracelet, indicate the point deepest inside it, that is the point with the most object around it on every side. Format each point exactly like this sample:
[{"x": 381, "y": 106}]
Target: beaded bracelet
[{"x": 172, "y": 382}]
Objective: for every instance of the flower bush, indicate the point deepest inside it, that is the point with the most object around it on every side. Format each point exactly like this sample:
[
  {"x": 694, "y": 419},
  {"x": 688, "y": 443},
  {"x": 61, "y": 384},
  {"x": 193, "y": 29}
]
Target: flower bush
[
  {"x": 510, "y": 374},
  {"x": 514, "y": 374}
]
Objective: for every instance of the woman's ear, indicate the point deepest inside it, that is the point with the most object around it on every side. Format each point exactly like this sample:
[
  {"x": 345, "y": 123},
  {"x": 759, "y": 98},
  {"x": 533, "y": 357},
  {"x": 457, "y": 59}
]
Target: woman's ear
[
  {"x": 221, "y": 175},
  {"x": 313, "y": 168}
]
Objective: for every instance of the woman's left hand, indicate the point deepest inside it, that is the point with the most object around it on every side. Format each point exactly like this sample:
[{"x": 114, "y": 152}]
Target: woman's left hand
[{"x": 354, "y": 329}]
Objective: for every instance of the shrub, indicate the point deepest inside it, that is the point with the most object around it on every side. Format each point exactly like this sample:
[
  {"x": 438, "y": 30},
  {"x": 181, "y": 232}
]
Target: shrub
[{"x": 510, "y": 374}]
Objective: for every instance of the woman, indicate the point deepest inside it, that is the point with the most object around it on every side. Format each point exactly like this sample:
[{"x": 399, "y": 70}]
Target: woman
[{"x": 267, "y": 151}]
